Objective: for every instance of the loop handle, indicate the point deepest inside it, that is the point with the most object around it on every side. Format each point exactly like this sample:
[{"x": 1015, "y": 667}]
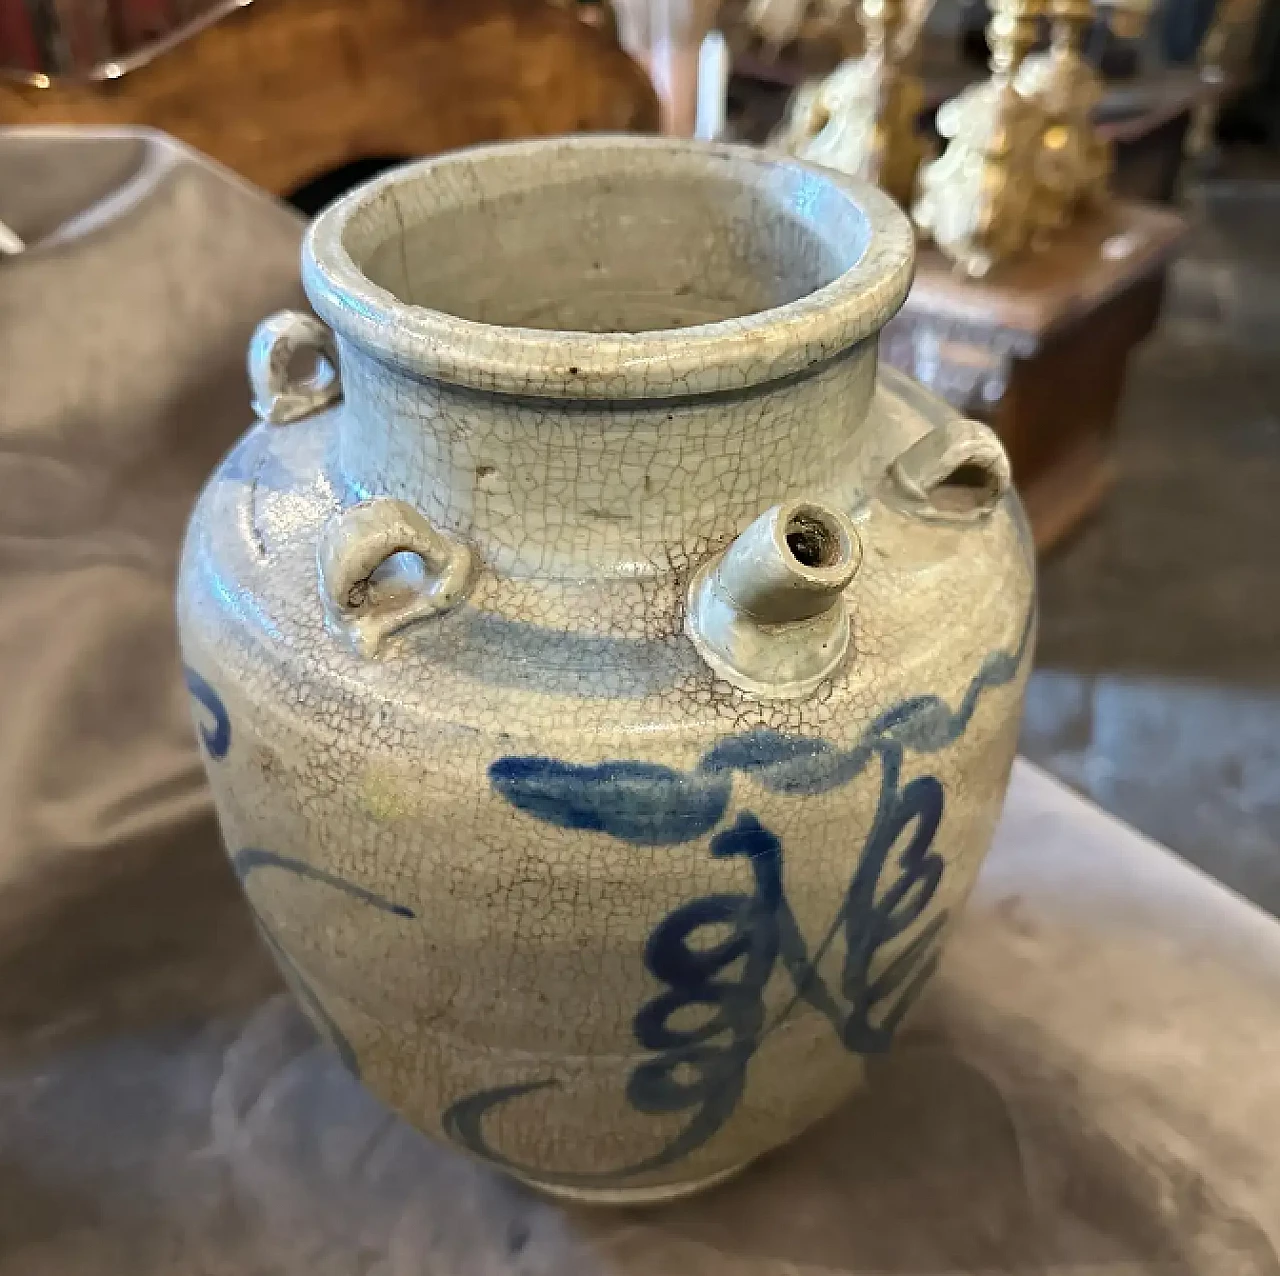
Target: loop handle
[
  {"x": 280, "y": 393},
  {"x": 958, "y": 472},
  {"x": 358, "y": 541}
]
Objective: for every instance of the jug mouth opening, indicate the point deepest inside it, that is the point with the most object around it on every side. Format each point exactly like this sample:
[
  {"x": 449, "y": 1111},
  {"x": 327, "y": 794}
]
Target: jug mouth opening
[{"x": 608, "y": 267}]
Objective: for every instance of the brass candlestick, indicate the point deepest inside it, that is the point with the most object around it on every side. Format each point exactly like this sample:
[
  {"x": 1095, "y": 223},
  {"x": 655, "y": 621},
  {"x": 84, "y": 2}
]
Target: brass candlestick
[
  {"x": 1074, "y": 163},
  {"x": 862, "y": 118},
  {"x": 978, "y": 199},
  {"x": 1223, "y": 56}
]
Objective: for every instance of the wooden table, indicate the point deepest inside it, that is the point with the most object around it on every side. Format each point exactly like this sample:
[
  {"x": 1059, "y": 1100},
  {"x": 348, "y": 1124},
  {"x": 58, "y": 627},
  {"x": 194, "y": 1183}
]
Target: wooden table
[
  {"x": 285, "y": 91},
  {"x": 1039, "y": 350}
]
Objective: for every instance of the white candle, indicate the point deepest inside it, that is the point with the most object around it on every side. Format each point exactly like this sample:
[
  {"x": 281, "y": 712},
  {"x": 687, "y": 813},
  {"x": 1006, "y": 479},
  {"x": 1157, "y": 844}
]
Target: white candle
[{"x": 713, "y": 87}]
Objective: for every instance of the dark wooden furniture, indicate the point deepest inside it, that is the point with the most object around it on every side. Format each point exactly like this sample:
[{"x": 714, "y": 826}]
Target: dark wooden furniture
[
  {"x": 284, "y": 91},
  {"x": 1148, "y": 120},
  {"x": 1040, "y": 348}
]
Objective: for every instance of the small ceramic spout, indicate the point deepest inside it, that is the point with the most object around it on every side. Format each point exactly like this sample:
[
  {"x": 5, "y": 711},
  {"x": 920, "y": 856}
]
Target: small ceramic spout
[{"x": 768, "y": 615}]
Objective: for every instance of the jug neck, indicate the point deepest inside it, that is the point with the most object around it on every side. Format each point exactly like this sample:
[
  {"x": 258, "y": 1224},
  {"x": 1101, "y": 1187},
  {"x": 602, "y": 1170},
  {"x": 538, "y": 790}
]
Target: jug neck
[
  {"x": 600, "y": 353},
  {"x": 543, "y": 486}
]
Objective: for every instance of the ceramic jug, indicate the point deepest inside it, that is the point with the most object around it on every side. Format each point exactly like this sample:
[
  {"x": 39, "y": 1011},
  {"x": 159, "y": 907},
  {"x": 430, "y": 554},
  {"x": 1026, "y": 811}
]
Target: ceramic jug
[{"x": 608, "y": 678}]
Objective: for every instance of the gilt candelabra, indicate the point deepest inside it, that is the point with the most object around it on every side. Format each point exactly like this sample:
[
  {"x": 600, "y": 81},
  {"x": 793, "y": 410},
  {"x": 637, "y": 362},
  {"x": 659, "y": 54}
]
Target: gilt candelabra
[
  {"x": 978, "y": 200},
  {"x": 1074, "y": 164},
  {"x": 862, "y": 118}
]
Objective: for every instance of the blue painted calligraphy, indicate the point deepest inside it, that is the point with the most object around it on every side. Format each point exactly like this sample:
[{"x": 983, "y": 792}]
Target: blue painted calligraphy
[{"x": 702, "y": 1070}]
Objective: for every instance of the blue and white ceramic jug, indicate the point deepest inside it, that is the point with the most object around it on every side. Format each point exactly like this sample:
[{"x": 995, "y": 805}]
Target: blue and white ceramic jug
[{"x": 608, "y": 679}]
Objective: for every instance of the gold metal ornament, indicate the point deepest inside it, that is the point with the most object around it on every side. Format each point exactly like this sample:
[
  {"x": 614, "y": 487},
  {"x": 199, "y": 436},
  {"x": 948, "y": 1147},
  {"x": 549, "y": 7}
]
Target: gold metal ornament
[
  {"x": 1226, "y": 46},
  {"x": 978, "y": 200},
  {"x": 779, "y": 23},
  {"x": 1074, "y": 163},
  {"x": 862, "y": 118},
  {"x": 1223, "y": 56}
]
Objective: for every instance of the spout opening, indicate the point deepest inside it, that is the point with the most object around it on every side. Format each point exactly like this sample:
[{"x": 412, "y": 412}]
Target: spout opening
[
  {"x": 815, "y": 547},
  {"x": 768, "y": 614},
  {"x": 815, "y": 540}
]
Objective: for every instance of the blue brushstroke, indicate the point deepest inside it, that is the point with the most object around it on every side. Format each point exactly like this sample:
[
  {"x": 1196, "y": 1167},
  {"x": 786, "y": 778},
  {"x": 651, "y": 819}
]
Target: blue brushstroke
[
  {"x": 640, "y": 802},
  {"x": 874, "y": 914},
  {"x": 703, "y": 1070},
  {"x": 215, "y": 736},
  {"x": 247, "y": 861},
  {"x": 301, "y": 988},
  {"x": 251, "y": 858},
  {"x": 651, "y": 805}
]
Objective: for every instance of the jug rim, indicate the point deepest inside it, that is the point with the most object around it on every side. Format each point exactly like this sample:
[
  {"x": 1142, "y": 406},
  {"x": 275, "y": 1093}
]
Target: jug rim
[{"x": 730, "y": 354}]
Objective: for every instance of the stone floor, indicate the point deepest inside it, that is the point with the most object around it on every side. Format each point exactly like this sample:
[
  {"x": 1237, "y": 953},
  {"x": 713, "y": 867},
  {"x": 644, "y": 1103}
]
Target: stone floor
[{"x": 1159, "y": 658}]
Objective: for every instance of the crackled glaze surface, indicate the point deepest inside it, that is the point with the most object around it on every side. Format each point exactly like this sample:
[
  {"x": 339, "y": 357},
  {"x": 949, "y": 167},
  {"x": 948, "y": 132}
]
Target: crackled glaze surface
[{"x": 551, "y": 887}]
